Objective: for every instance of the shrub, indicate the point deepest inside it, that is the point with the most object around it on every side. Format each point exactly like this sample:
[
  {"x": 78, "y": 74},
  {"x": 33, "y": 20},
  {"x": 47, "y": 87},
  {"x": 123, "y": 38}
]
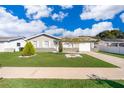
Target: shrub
[
  {"x": 28, "y": 49},
  {"x": 60, "y": 46},
  {"x": 21, "y": 49}
]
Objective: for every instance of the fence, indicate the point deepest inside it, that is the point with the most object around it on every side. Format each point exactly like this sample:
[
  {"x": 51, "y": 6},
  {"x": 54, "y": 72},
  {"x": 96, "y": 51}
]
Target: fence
[{"x": 111, "y": 49}]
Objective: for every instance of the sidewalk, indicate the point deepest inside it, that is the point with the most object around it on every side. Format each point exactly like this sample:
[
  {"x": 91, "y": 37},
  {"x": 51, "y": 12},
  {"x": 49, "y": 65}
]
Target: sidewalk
[{"x": 61, "y": 73}]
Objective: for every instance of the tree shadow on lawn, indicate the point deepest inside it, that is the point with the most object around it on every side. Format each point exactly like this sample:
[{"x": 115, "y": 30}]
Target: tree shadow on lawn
[{"x": 103, "y": 81}]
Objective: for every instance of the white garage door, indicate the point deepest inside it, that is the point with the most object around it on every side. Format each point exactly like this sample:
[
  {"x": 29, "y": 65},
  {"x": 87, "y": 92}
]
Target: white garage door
[{"x": 84, "y": 47}]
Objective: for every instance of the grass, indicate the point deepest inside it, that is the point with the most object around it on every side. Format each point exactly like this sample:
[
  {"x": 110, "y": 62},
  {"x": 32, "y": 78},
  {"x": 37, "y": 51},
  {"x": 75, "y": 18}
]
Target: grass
[
  {"x": 60, "y": 83},
  {"x": 50, "y": 60},
  {"x": 113, "y": 54}
]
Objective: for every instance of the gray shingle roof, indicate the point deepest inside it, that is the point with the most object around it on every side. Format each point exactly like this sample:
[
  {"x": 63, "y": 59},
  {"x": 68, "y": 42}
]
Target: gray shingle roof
[
  {"x": 8, "y": 39},
  {"x": 80, "y": 39}
]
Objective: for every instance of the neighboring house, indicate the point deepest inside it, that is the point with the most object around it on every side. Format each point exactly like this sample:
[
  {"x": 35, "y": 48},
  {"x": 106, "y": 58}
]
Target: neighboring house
[
  {"x": 11, "y": 44},
  {"x": 78, "y": 44},
  {"x": 44, "y": 42},
  {"x": 112, "y": 45}
]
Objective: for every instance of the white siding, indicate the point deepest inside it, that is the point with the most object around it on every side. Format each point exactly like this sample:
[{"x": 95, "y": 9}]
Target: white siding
[
  {"x": 41, "y": 42},
  {"x": 11, "y": 46}
]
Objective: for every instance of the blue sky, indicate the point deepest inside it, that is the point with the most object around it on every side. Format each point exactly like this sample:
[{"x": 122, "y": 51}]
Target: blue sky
[{"x": 60, "y": 20}]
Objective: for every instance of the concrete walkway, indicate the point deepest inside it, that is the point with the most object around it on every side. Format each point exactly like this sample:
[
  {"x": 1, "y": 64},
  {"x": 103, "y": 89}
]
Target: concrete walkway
[{"x": 68, "y": 73}]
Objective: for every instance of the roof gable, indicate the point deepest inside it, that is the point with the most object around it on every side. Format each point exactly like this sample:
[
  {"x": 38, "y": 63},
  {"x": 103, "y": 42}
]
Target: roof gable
[{"x": 42, "y": 34}]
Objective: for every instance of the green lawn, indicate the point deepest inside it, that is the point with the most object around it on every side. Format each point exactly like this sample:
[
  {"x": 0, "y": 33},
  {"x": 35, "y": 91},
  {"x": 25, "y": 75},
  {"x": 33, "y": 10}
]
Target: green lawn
[
  {"x": 60, "y": 83},
  {"x": 50, "y": 60},
  {"x": 112, "y": 54}
]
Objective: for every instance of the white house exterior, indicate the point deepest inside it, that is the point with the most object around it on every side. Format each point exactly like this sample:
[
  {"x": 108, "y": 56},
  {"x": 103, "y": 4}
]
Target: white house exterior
[
  {"x": 78, "y": 47},
  {"x": 79, "y": 44},
  {"x": 44, "y": 42},
  {"x": 11, "y": 44},
  {"x": 112, "y": 46}
]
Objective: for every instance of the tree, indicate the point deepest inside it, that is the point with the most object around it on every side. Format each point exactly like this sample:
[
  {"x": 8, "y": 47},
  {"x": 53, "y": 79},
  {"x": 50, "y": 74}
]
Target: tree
[
  {"x": 112, "y": 34},
  {"x": 60, "y": 46},
  {"x": 28, "y": 49}
]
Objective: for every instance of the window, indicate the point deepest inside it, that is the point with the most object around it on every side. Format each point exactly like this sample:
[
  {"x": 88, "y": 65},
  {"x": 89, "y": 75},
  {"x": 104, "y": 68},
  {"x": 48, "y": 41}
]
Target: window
[
  {"x": 107, "y": 44},
  {"x": 68, "y": 45},
  {"x": 35, "y": 44},
  {"x": 18, "y": 44},
  {"x": 46, "y": 43},
  {"x": 121, "y": 44},
  {"x": 114, "y": 44},
  {"x": 56, "y": 42}
]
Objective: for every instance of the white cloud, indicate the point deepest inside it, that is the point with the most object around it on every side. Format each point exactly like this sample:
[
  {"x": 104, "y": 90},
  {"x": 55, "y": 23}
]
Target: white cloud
[
  {"x": 99, "y": 12},
  {"x": 37, "y": 11},
  {"x": 96, "y": 28},
  {"x": 54, "y": 30},
  {"x": 12, "y": 25},
  {"x": 67, "y": 6},
  {"x": 122, "y": 17},
  {"x": 60, "y": 16}
]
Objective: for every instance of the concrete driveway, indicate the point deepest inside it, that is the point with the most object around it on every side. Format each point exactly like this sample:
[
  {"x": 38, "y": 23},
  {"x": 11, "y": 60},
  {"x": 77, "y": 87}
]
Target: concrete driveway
[
  {"x": 108, "y": 58},
  {"x": 68, "y": 73}
]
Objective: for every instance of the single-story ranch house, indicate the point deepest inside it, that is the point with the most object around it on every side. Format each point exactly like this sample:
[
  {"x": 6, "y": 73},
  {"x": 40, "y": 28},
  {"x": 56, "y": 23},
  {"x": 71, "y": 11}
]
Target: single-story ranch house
[
  {"x": 44, "y": 42},
  {"x": 47, "y": 43}
]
